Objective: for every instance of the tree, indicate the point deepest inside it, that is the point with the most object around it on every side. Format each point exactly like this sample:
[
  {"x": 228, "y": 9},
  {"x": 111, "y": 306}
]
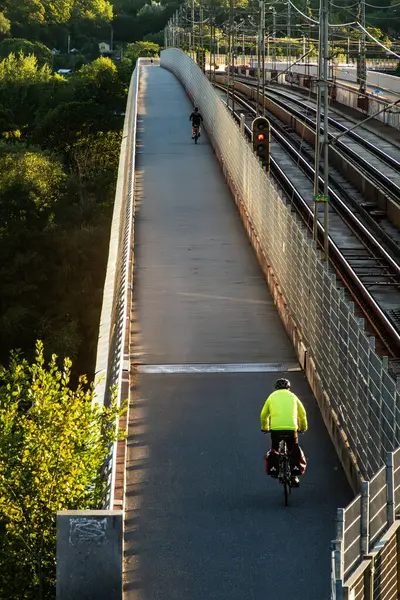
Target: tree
[
  {"x": 155, "y": 9},
  {"x": 96, "y": 159},
  {"x": 56, "y": 11},
  {"x": 99, "y": 82},
  {"x": 24, "y": 86},
  {"x": 5, "y": 24},
  {"x": 54, "y": 441},
  {"x": 137, "y": 49},
  {"x": 60, "y": 128},
  {"x": 30, "y": 185},
  {"x": 27, "y": 48},
  {"x": 156, "y": 38}
]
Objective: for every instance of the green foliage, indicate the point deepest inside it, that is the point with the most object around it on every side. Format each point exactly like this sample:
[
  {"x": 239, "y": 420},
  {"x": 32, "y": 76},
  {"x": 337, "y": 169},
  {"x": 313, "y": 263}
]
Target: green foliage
[
  {"x": 91, "y": 50},
  {"x": 24, "y": 86},
  {"x": 55, "y": 212},
  {"x": 154, "y": 9},
  {"x": 97, "y": 81},
  {"x": 30, "y": 185},
  {"x": 73, "y": 61},
  {"x": 54, "y": 441},
  {"x": 137, "y": 49},
  {"x": 96, "y": 158},
  {"x": 5, "y": 24},
  {"x": 18, "y": 69},
  {"x": 17, "y": 46},
  {"x": 156, "y": 38},
  {"x": 125, "y": 69},
  {"x": 56, "y": 11},
  {"x": 52, "y": 282}
]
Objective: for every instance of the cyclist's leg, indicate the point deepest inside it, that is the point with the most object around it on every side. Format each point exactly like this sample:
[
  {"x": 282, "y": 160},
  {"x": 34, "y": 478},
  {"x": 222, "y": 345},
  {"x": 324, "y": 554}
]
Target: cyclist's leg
[
  {"x": 294, "y": 452},
  {"x": 276, "y": 437},
  {"x": 292, "y": 440}
]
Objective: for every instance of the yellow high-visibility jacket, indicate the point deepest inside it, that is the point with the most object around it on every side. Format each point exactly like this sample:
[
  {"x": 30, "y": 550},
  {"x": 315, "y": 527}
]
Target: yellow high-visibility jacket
[{"x": 283, "y": 411}]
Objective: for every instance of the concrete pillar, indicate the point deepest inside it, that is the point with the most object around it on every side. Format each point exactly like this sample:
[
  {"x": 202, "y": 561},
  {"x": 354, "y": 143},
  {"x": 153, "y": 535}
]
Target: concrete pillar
[{"x": 89, "y": 555}]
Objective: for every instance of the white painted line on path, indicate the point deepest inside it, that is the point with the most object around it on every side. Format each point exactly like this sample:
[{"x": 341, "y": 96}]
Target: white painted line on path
[{"x": 219, "y": 368}]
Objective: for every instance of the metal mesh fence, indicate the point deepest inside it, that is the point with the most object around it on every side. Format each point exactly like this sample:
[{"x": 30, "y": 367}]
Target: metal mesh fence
[
  {"x": 377, "y": 506},
  {"x": 360, "y": 389},
  {"x": 112, "y": 334},
  {"x": 351, "y": 535},
  {"x": 396, "y": 482},
  {"x": 385, "y": 577}
]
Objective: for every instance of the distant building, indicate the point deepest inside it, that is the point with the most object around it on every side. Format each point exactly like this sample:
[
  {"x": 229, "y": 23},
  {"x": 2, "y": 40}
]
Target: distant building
[{"x": 104, "y": 47}]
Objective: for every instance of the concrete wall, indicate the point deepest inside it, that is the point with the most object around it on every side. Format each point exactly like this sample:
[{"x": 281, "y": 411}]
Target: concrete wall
[{"x": 89, "y": 555}]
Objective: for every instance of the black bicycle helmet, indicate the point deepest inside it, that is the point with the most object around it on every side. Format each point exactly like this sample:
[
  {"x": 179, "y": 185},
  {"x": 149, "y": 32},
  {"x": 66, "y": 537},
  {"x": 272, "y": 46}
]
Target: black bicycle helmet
[{"x": 282, "y": 384}]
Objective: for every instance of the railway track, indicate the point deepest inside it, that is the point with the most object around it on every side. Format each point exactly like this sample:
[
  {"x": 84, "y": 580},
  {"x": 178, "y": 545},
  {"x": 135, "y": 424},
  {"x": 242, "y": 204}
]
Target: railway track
[
  {"x": 369, "y": 271},
  {"x": 371, "y": 163},
  {"x": 382, "y": 166}
]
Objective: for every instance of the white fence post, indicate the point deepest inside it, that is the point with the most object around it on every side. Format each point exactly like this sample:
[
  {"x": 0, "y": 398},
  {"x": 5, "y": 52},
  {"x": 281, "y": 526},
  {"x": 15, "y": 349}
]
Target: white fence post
[
  {"x": 338, "y": 556},
  {"x": 390, "y": 488}
]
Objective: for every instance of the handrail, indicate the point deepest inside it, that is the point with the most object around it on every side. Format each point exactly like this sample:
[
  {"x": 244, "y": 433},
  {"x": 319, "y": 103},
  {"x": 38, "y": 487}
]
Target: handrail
[{"x": 110, "y": 364}]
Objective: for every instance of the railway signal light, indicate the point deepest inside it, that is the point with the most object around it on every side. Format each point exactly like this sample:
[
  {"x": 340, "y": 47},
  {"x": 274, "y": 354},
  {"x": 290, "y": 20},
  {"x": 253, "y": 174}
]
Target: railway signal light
[{"x": 261, "y": 134}]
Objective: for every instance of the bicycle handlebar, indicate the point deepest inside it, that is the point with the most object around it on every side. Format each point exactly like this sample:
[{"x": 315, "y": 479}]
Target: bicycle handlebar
[{"x": 269, "y": 431}]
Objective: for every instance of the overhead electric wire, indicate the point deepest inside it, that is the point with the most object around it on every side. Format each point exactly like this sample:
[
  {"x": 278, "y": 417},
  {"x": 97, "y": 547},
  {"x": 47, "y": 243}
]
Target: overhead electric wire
[
  {"x": 333, "y": 25},
  {"x": 303, "y": 14},
  {"x": 377, "y": 41}
]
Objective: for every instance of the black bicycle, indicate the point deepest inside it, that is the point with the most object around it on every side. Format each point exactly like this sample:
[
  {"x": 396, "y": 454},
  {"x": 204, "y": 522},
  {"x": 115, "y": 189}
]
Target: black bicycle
[
  {"x": 285, "y": 472},
  {"x": 196, "y": 133}
]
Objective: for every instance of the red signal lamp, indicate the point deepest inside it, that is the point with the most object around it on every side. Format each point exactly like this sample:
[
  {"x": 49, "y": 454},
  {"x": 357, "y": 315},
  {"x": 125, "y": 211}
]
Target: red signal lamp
[{"x": 260, "y": 137}]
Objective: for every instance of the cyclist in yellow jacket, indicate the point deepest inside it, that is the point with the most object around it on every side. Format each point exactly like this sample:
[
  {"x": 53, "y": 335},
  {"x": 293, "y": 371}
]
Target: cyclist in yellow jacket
[{"x": 284, "y": 416}]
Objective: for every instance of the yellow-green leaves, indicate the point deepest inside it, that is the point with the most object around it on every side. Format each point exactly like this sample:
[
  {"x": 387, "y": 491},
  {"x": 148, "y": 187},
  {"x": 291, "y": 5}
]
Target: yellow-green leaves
[{"x": 52, "y": 446}]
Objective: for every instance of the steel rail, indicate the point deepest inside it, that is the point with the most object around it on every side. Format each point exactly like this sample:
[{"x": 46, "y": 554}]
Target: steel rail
[
  {"x": 372, "y": 171},
  {"x": 378, "y": 152},
  {"x": 366, "y": 166},
  {"x": 382, "y": 326}
]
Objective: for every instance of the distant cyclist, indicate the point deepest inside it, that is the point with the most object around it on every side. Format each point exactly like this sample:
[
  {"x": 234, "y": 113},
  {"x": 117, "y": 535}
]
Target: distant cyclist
[
  {"x": 196, "y": 119},
  {"x": 284, "y": 416}
]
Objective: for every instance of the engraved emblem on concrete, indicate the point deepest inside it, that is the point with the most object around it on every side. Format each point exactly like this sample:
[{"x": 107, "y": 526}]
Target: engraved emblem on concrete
[{"x": 87, "y": 531}]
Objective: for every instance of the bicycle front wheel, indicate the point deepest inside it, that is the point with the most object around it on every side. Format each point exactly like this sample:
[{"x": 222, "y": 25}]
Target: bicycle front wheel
[{"x": 286, "y": 490}]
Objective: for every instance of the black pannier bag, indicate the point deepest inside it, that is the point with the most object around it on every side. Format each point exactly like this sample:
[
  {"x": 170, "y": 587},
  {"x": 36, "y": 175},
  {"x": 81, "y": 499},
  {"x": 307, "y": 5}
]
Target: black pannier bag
[
  {"x": 272, "y": 463},
  {"x": 298, "y": 461}
]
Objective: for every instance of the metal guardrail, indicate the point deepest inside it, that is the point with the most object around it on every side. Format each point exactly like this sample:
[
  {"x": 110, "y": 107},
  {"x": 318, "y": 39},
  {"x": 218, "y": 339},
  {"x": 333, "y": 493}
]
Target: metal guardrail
[
  {"x": 366, "y": 552},
  {"x": 283, "y": 62},
  {"x": 110, "y": 360}
]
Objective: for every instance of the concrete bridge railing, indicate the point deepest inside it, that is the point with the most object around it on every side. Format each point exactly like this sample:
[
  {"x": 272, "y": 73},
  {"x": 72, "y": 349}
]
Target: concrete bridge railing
[{"x": 112, "y": 361}]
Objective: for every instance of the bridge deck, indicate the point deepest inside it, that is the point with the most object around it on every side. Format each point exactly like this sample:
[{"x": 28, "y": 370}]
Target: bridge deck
[{"x": 203, "y": 522}]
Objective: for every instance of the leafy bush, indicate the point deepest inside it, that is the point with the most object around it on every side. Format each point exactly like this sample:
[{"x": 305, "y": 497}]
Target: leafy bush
[{"x": 54, "y": 440}]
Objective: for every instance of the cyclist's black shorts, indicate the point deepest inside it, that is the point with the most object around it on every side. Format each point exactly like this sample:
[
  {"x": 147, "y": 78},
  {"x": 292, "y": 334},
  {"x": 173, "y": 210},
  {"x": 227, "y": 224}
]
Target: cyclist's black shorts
[{"x": 291, "y": 438}]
